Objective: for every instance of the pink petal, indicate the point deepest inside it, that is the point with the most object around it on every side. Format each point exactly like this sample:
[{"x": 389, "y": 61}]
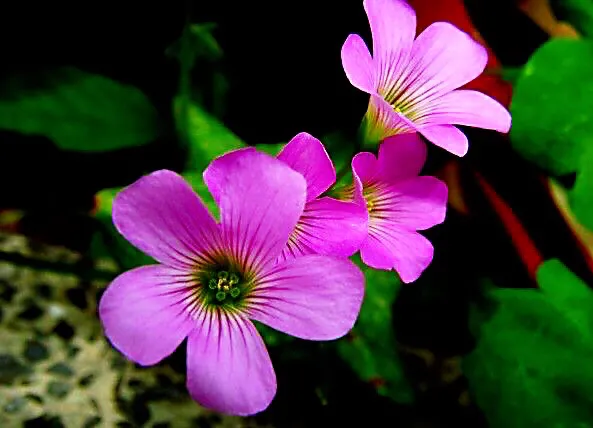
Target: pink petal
[
  {"x": 401, "y": 156},
  {"x": 393, "y": 26},
  {"x": 469, "y": 108},
  {"x": 306, "y": 155},
  {"x": 358, "y": 64},
  {"x": 161, "y": 215},
  {"x": 366, "y": 167},
  {"x": 260, "y": 199},
  {"x": 144, "y": 314},
  {"x": 415, "y": 204},
  {"x": 443, "y": 59},
  {"x": 382, "y": 121},
  {"x": 388, "y": 247},
  {"x": 214, "y": 177},
  {"x": 329, "y": 227},
  {"x": 448, "y": 137},
  {"x": 228, "y": 367},
  {"x": 313, "y": 297}
]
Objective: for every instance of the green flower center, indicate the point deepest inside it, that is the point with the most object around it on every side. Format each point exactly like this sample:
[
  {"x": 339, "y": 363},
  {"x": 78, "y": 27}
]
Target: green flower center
[{"x": 223, "y": 287}]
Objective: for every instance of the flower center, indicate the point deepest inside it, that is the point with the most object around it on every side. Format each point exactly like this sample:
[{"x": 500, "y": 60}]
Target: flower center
[
  {"x": 370, "y": 196},
  {"x": 224, "y": 287}
]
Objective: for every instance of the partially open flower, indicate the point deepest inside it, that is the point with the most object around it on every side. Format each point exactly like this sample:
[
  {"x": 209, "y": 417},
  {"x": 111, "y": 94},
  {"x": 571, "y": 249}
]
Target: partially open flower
[
  {"x": 413, "y": 83},
  {"x": 399, "y": 203}
]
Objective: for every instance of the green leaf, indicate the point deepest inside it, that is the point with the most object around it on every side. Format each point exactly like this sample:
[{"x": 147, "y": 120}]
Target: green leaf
[
  {"x": 552, "y": 105},
  {"x": 572, "y": 297},
  {"x": 207, "y": 137},
  {"x": 579, "y": 13},
  {"x": 371, "y": 349},
  {"x": 111, "y": 243},
  {"x": 79, "y": 111},
  {"x": 581, "y": 195},
  {"x": 531, "y": 366},
  {"x": 197, "y": 41},
  {"x": 552, "y": 112}
]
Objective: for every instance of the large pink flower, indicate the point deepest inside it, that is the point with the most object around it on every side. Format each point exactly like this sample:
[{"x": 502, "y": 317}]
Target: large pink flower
[
  {"x": 214, "y": 278},
  {"x": 413, "y": 83},
  {"x": 399, "y": 203}
]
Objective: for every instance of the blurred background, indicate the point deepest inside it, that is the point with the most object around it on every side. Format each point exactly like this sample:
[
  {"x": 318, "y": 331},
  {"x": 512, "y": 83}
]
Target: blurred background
[{"x": 497, "y": 332}]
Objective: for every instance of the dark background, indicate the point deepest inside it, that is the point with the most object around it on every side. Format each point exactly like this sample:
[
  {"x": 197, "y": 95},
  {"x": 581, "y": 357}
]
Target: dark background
[{"x": 282, "y": 60}]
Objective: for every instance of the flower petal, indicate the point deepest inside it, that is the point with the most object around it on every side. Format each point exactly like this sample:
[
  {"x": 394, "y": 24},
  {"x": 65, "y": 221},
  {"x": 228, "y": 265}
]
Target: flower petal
[
  {"x": 228, "y": 367},
  {"x": 358, "y": 64},
  {"x": 366, "y": 167},
  {"x": 443, "y": 59},
  {"x": 214, "y": 177},
  {"x": 144, "y": 314},
  {"x": 393, "y": 26},
  {"x": 161, "y": 215},
  {"x": 401, "y": 157},
  {"x": 389, "y": 247},
  {"x": 306, "y": 155},
  {"x": 448, "y": 137},
  {"x": 260, "y": 199},
  {"x": 415, "y": 204},
  {"x": 469, "y": 108},
  {"x": 329, "y": 227},
  {"x": 313, "y": 297}
]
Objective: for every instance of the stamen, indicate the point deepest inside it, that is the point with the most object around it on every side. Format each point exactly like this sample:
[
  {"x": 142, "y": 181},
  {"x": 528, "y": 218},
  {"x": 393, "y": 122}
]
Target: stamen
[{"x": 224, "y": 287}]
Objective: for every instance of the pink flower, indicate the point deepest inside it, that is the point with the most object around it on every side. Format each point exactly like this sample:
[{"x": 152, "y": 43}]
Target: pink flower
[
  {"x": 327, "y": 226},
  {"x": 399, "y": 203},
  {"x": 214, "y": 278},
  {"x": 413, "y": 83}
]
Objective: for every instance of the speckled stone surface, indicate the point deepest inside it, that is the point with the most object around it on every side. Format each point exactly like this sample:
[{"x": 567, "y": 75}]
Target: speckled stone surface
[{"x": 57, "y": 369}]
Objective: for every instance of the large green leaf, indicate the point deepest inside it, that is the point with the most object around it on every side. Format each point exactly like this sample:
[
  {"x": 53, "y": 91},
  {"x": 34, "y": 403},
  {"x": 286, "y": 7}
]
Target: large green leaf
[
  {"x": 553, "y": 116},
  {"x": 79, "y": 111},
  {"x": 206, "y": 136},
  {"x": 552, "y": 105},
  {"x": 531, "y": 366},
  {"x": 371, "y": 349}
]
